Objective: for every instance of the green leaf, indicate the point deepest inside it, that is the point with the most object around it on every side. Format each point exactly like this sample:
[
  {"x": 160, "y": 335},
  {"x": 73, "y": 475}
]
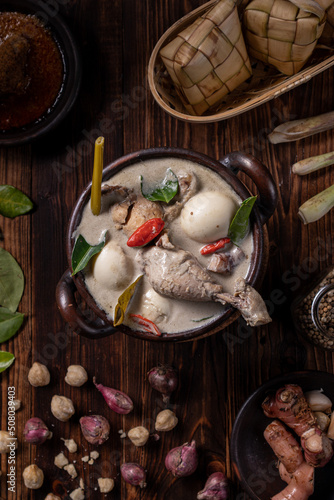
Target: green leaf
[
  {"x": 13, "y": 202},
  {"x": 239, "y": 224},
  {"x": 9, "y": 323},
  {"x": 6, "y": 359},
  {"x": 165, "y": 190},
  {"x": 123, "y": 302},
  {"x": 83, "y": 252},
  {"x": 11, "y": 281}
]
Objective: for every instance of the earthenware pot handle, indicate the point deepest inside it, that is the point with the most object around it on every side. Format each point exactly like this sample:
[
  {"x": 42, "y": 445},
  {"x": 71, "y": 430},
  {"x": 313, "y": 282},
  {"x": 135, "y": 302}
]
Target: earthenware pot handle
[
  {"x": 261, "y": 176},
  {"x": 69, "y": 310}
]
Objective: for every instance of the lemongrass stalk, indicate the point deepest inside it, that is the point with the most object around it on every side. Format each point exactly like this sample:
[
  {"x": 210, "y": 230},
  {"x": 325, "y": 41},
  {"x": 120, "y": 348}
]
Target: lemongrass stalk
[
  {"x": 317, "y": 206},
  {"x": 313, "y": 163},
  {"x": 95, "y": 200},
  {"x": 299, "y": 129}
]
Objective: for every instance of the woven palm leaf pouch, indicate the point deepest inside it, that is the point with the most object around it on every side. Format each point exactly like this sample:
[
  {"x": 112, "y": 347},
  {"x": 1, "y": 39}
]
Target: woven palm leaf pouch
[
  {"x": 327, "y": 37},
  {"x": 283, "y": 33},
  {"x": 208, "y": 59}
]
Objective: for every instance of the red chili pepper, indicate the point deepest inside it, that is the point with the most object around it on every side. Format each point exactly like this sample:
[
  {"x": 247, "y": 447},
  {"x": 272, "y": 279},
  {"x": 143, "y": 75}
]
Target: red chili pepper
[
  {"x": 147, "y": 324},
  {"x": 213, "y": 247},
  {"x": 146, "y": 232}
]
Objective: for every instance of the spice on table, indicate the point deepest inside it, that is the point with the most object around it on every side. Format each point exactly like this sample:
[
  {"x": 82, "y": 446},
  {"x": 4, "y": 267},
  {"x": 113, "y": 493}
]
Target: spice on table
[
  {"x": 95, "y": 428},
  {"x": 164, "y": 379},
  {"x": 62, "y": 408},
  {"x": 134, "y": 474},
  {"x": 33, "y": 477},
  {"x": 35, "y": 431},
  {"x": 313, "y": 311},
  {"x": 182, "y": 461},
  {"x": 95, "y": 201},
  {"x": 299, "y": 129},
  {"x": 317, "y": 206},
  {"x": 117, "y": 400},
  {"x": 39, "y": 375}
]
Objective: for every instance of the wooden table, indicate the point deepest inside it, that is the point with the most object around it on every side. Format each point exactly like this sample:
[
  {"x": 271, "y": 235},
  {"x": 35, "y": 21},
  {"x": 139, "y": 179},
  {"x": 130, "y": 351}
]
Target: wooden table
[{"x": 216, "y": 374}]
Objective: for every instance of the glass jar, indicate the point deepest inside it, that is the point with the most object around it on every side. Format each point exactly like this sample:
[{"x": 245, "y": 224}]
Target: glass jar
[{"x": 313, "y": 311}]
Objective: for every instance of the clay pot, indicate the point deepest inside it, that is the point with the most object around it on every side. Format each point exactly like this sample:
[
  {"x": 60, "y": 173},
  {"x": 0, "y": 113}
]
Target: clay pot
[{"x": 227, "y": 168}]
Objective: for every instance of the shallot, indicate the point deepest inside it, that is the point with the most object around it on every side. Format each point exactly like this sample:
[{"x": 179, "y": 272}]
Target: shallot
[
  {"x": 35, "y": 431},
  {"x": 134, "y": 474},
  {"x": 95, "y": 428},
  {"x": 215, "y": 488},
  {"x": 183, "y": 460},
  {"x": 118, "y": 401},
  {"x": 163, "y": 379}
]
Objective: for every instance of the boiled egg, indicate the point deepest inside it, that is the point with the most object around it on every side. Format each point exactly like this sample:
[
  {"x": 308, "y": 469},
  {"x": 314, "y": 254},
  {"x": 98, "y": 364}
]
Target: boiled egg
[
  {"x": 206, "y": 216},
  {"x": 112, "y": 268},
  {"x": 155, "y": 307}
]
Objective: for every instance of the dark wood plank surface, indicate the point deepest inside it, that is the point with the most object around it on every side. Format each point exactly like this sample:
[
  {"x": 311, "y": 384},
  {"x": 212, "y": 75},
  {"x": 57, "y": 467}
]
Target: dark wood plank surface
[{"x": 218, "y": 373}]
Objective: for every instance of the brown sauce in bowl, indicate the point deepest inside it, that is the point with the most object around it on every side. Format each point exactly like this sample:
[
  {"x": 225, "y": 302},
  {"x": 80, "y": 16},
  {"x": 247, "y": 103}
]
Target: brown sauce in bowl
[{"x": 31, "y": 70}]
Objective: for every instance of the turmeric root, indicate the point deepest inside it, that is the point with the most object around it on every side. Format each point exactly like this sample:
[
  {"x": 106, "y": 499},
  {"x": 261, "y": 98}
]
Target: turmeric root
[{"x": 290, "y": 406}]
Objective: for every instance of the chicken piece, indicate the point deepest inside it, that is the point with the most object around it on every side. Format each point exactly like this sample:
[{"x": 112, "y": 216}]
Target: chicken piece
[
  {"x": 188, "y": 185},
  {"x": 133, "y": 211},
  {"x": 176, "y": 273},
  {"x": 224, "y": 262},
  {"x": 300, "y": 483},
  {"x": 13, "y": 61},
  {"x": 284, "y": 445}
]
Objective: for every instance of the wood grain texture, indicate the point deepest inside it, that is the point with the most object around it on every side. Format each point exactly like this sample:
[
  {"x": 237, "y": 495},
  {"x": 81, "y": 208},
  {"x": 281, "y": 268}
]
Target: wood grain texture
[{"x": 218, "y": 373}]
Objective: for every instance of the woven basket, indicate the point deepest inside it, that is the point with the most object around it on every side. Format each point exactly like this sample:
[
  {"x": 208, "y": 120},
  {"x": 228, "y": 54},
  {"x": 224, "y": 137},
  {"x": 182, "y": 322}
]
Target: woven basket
[{"x": 265, "y": 84}]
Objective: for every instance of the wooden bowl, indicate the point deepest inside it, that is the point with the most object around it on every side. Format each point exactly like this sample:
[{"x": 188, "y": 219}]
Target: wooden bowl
[
  {"x": 253, "y": 460},
  {"x": 72, "y": 72},
  {"x": 263, "y": 209},
  {"x": 265, "y": 83}
]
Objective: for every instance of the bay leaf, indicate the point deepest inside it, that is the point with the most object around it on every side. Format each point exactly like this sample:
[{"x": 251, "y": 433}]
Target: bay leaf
[
  {"x": 163, "y": 191},
  {"x": 11, "y": 281},
  {"x": 123, "y": 302},
  {"x": 13, "y": 202},
  {"x": 83, "y": 252},
  {"x": 239, "y": 224},
  {"x": 9, "y": 323},
  {"x": 6, "y": 359}
]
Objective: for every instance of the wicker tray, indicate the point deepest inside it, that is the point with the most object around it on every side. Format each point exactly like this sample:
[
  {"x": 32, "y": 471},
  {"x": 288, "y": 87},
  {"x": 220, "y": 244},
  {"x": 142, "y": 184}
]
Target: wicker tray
[{"x": 265, "y": 83}]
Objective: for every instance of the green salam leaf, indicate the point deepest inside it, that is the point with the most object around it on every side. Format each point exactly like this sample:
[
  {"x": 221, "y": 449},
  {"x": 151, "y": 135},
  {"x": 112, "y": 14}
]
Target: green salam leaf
[
  {"x": 13, "y": 202},
  {"x": 11, "y": 281},
  {"x": 6, "y": 359},
  {"x": 123, "y": 302},
  {"x": 9, "y": 323},
  {"x": 165, "y": 191},
  {"x": 239, "y": 224},
  {"x": 83, "y": 252}
]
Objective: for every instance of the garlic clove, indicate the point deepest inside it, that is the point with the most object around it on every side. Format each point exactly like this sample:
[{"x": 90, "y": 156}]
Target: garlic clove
[
  {"x": 318, "y": 401},
  {"x": 95, "y": 428}
]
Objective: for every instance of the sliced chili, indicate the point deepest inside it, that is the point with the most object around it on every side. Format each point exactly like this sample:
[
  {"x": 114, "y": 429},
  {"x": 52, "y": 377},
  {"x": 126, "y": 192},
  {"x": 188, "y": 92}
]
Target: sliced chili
[
  {"x": 146, "y": 324},
  {"x": 214, "y": 247},
  {"x": 146, "y": 232}
]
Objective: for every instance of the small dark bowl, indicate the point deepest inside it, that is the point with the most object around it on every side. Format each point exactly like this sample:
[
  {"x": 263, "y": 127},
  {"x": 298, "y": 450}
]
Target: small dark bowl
[
  {"x": 72, "y": 72},
  {"x": 253, "y": 459}
]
